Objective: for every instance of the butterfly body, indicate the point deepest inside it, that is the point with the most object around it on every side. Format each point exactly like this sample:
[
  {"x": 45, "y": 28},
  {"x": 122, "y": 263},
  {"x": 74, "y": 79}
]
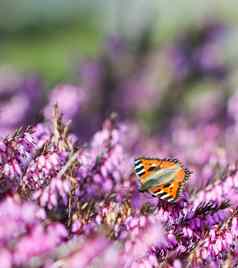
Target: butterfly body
[{"x": 163, "y": 178}]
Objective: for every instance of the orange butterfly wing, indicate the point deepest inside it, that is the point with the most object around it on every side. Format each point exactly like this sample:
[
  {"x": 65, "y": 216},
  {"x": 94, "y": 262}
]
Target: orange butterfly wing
[
  {"x": 174, "y": 189},
  {"x": 144, "y": 167},
  {"x": 149, "y": 164}
]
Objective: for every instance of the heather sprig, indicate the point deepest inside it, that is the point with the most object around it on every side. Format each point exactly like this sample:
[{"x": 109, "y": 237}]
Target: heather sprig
[
  {"x": 184, "y": 230},
  {"x": 221, "y": 190},
  {"x": 25, "y": 232},
  {"x": 219, "y": 244},
  {"x": 16, "y": 152},
  {"x": 48, "y": 176},
  {"x": 93, "y": 250},
  {"x": 107, "y": 164}
]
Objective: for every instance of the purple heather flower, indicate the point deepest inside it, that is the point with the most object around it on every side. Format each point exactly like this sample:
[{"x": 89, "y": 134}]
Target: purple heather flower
[
  {"x": 111, "y": 213},
  {"x": 201, "y": 55},
  {"x": 43, "y": 168},
  {"x": 50, "y": 196},
  {"x": 150, "y": 261},
  {"x": 16, "y": 216},
  {"x": 25, "y": 92},
  {"x": 41, "y": 240},
  {"x": 43, "y": 133},
  {"x": 135, "y": 247},
  {"x": 16, "y": 152},
  {"x": 219, "y": 245},
  {"x": 147, "y": 94},
  {"x": 69, "y": 99},
  {"x": 75, "y": 103},
  {"x": 225, "y": 189},
  {"x": 90, "y": 72},
  {"x": 209, "y": 57},
  {"x": 10, "y": 112},
  {"x": 185, "y": 232},
  {"x": 144, "y": 235},
  {"x": 5, "y": 258},
  {"x": 202, "y": 148},
  {"x": 86, "y": 252},
  {"x": 22, "y": 234},
  {"x": 49, "y": 180},
  {"x": 45, "y": 178},
  {"x": 105, "y": 166}
]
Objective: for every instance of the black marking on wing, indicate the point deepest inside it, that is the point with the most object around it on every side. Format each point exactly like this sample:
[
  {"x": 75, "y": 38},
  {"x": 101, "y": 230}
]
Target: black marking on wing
[
  {"x": 164, "y": 196},
  {"x": 159, "y": 194},
  {"x": 138, "y": 169},
  {"x": 141, "y": 173},
  {"x": 167, "y": 184},
  {"x": 152, "y": 168}
]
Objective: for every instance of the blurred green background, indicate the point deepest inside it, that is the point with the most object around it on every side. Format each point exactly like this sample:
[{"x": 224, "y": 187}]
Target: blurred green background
[{"x": 50, "y": 36}]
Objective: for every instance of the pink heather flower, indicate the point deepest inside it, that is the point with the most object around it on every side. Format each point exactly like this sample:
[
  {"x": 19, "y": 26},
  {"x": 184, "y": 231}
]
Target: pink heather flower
[
  {"x": 111, "y": 212},
  {"x": 69, "y": 98},
  {"x": 105, "y": 166},
  {"x": 90, "y": 72},
  {"x": 43, "y": 168},
  {"x": 86, "y": 252},
  {"x": 146, "y": 90},
  {"x": 5, "y": 258},
  {"x": 16, "y": 152},
  {"x": 76, "y": 105},
  {"x": 45, "y": 179},
  {"x": 16, "y": 216},
  {"x": 40, "y": 241},
  {"x": 42, "y": 133},
  {"x": 201, "y": 55},
  {"x": 10, "y": 112},
  {"x": 50, "y": 196},
  {"x": 149, "y": 261},
  {"x": 144, "y": 234},
  {"x": 218, "y": 244},
  {"x": 25, "y": 92},
  {"x": 22, "y": 234},
  {"x": 202, "y": 147},
  {"x": 225, "y": 189},
  {"x": 186, "y": 227}
]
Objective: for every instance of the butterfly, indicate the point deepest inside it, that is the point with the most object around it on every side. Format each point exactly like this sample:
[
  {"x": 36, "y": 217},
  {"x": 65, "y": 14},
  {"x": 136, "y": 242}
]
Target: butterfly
[{"x": 163, "y": 178}]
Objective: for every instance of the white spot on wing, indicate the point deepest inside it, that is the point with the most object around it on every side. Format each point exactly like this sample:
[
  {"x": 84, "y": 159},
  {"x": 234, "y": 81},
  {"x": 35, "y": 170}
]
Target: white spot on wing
[
  {"x": 138, "y": 166},
  {"x": 140, "y": 172},
  {"x": 170, "y": 199},
  {"x": 137, "y": 161},
  {"x": 164, "y": 196}
]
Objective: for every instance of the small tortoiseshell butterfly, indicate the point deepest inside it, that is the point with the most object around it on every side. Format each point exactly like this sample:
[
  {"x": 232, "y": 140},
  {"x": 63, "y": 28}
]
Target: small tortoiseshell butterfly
[{"x": 163, "y": 178}]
